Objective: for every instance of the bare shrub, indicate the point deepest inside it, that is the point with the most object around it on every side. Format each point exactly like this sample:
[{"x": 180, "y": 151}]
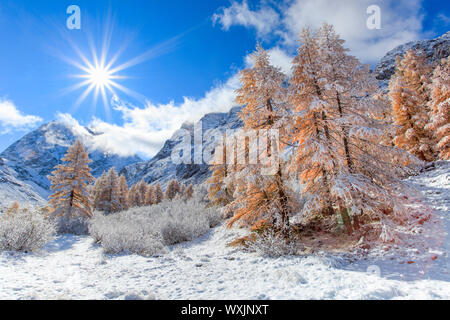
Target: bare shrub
[
  {"x": 147, "y": 230},
  {"x": 272, "y": 244},
  {"x": 25, "y": 230}
]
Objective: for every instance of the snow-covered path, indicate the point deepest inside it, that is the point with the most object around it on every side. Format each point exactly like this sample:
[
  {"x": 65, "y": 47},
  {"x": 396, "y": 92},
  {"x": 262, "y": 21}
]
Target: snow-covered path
[{"x": 74, "y": 268}]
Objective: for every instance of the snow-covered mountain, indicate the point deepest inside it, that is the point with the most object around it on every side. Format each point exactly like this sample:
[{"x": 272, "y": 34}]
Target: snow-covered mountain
[
  {"x": 30, "y": 159},
  {"x": 161, "y": 168},
  {"x": 435, "y": 49},
  {"x": 12, "y": 189}
]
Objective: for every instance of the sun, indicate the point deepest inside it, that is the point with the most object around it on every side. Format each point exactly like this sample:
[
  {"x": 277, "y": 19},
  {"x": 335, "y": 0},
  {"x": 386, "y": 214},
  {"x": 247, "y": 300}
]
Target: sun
[
  {"x": 100, "y": 72},
  {"x": 100, "y": 76}
]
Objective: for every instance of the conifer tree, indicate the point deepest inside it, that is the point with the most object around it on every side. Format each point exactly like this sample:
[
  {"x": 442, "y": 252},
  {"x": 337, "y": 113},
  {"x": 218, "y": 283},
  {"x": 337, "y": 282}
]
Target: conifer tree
[
  {"x": 261, "y": 199},
  {"x": 220, "y": 192},
  {"x": 69, "y": 182},
  {"x": 159, "y": 196},
  {"x": 107, "y": 192},
  {"x": 408, "y": 90},
  {"x": 133, "y": 196},
  {"x": 440, "y": 108},
  {"x": 150, "y": 196},
  {"x": 189, "y": 193},
  {"x": 314, "y": 156},
  {"x": 97, "y": 192},
  {"x": 173, "y": 189},
  {"x": 141, "y": 190},
  {"x": 113, "y": 203},
  {"x": 341, "y": 156},
  {"x": 123, "y": 192}
]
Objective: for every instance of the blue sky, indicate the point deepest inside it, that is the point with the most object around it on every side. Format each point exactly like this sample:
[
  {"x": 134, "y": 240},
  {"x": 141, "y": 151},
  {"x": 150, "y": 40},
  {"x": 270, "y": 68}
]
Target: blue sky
[{"x": 192, "y": 53}]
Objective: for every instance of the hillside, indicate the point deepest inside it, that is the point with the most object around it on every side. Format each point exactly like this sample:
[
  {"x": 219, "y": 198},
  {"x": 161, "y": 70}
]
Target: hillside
[
  {"x": 30, "y": 159},
  {"x": 161, "y": 169}
]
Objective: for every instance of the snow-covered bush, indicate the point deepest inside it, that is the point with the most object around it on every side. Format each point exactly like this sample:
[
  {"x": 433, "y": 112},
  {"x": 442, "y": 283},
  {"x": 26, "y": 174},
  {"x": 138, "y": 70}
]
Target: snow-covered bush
[
  {"x": 78, "y": 226},
  {"x": 25, "y": 230},
  {"x": 201, "y": 193},
  {"x": 125, "y": 232},
  {"x": 272, "y": 244},
  {"x": 184, "y": 221},
  {"x": 147, "y": 230}
]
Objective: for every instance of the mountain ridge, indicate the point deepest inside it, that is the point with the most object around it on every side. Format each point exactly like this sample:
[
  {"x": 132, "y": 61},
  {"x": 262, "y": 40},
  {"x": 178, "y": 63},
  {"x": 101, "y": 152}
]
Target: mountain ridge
[{"x": 34, "y": 156}]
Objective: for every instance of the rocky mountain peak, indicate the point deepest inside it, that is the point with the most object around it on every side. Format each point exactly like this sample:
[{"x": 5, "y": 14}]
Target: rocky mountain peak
[{"x": 434, "y": 49}]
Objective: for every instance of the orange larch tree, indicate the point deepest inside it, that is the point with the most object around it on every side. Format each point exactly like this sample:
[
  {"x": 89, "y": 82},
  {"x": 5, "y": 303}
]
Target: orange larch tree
[
  {"x": 70, "y": 184},
  {"x": 341, "y": 157},
  {"x": 409, "y": 94},
  {"x": 440, "y": 108},
  {"x": 123, "y": 192},
  {"x": 219, "y": 192},
  {"x": 261, "y": 198}
]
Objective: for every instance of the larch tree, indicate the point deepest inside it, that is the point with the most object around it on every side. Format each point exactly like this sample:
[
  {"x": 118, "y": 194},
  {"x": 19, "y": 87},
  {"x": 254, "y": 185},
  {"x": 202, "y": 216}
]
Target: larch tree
[
  {"x": 113, "y": 203},
  {"x": 107, "y": 192},
  {"x": 220, "y": 192},
  {"x": 341, "y": 156},
  {"x": 440, "y": 108},
  {"x": 261, "y": 199},
  {"x": 189, "y": 193},
  {"x": 123, "y": 192},
  {"x": 173, "y": 189},
  {"x": 150, "y": 196},
  {"x": 141, "y": 192},
  {"x": 409, "y": 94},
  {"x": 159, "y": 195},
  {"x": 98, "y": 190},
  {"x": 314, "y": 153},
  {"x": 70, "y": 182},
  {"x": 133, "y": 196}
]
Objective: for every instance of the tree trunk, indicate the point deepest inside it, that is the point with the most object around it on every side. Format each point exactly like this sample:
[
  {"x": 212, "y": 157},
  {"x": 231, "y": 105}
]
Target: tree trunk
[
  {"x": 284, "y": 207},
  {"x": 345, "y": 136},
  {"x": 356, "y": 223},
  {"x": 346, "y": 219}
]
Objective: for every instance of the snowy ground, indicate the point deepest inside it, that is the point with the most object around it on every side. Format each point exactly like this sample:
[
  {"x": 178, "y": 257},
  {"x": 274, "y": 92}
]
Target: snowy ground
[{"x": 74, "y": 268}]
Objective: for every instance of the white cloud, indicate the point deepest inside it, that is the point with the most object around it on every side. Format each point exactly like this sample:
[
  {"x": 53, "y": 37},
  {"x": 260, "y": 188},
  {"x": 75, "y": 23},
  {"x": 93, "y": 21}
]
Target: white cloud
[
  {"x": 264, "y": 20},
  {"x": 144, "y": 130},
  {"x": 401, "y": 21},
  {"x": 279, "y": 58},
  {"x": 12, "y": 119}
]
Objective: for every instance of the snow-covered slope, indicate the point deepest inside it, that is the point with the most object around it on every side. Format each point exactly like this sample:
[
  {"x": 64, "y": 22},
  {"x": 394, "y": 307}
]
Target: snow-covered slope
[
  {"x": 435, "y": 49},
  {"x": 35, "y": 155},
  {"x": 12, "y": 189},
  {"x": 74, "y": 267},
  {"x": 161, "y": 168}
]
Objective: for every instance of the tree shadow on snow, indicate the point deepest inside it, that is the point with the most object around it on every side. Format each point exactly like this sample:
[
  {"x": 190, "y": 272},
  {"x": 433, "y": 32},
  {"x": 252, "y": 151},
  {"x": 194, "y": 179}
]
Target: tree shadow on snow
[{"x": 62, "y": 242}]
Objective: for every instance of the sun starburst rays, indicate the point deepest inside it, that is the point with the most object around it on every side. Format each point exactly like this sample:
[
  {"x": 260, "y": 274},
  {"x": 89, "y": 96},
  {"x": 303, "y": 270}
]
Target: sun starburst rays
[
  {"x": 97, "y": 78},
  {"x": 100, "y": 76}
]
